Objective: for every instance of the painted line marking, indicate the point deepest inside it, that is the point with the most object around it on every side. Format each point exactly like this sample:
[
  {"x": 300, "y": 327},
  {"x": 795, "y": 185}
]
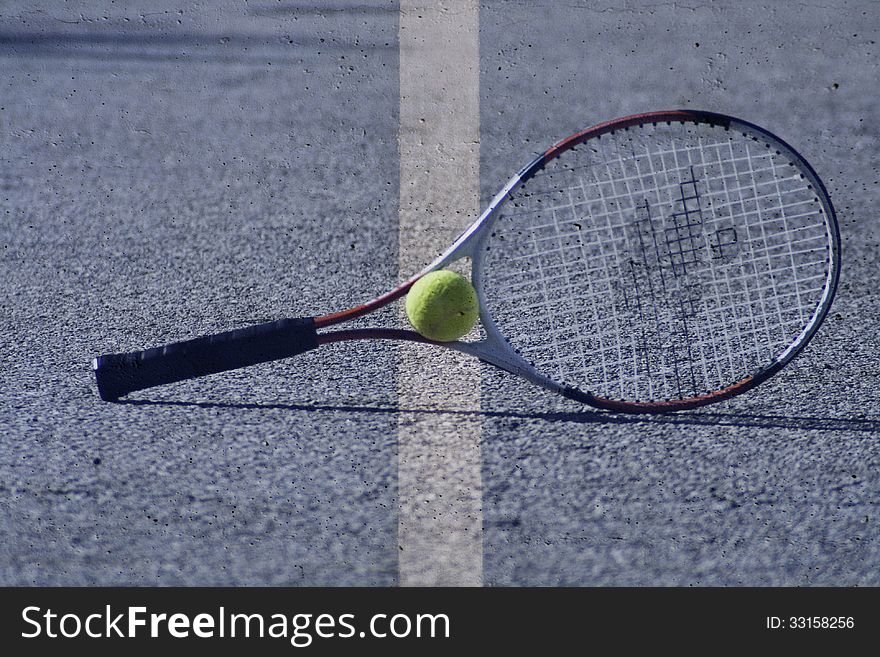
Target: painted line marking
[{"x": 439, "y": 480}]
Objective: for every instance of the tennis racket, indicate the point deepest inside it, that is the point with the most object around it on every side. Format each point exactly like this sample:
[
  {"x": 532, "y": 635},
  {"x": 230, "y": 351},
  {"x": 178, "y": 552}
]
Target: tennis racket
[{"x": 654, "y": 263}]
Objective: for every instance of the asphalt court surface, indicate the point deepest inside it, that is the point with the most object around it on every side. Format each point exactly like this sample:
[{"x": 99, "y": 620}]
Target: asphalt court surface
[{"x": 184, "y": 169}]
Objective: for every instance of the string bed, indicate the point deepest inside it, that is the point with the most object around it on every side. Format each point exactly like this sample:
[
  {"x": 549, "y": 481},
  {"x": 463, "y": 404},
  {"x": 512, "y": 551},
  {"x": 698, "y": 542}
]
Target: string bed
[{"x": 658, "y": 262}]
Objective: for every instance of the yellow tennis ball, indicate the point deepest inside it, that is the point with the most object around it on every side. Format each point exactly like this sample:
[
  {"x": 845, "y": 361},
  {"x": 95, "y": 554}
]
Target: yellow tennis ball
[{"x": 442, "y": 306}]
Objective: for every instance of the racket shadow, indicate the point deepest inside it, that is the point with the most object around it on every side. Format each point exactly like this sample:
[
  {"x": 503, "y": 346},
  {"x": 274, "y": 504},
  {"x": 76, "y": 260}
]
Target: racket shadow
[{"x": 815, "y": 423}]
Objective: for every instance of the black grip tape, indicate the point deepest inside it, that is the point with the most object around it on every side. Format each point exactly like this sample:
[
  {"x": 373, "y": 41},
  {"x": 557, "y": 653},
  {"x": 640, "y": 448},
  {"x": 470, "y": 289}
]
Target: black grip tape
[{"x": 120, "y": 374}]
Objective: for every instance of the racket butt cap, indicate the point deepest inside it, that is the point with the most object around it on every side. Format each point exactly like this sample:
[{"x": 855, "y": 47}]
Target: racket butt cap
[{"x": 108, "y": 389}]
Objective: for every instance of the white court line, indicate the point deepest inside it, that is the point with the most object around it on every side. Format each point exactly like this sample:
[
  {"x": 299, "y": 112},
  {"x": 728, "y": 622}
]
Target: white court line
[{"x": 439, "y": 482}]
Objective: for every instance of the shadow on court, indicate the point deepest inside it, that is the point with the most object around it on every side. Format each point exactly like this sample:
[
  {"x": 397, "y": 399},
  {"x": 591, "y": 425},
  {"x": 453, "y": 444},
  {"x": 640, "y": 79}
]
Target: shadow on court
[
  {"x": 585, "y": 417},
  {"x": 153, "y": 46}
]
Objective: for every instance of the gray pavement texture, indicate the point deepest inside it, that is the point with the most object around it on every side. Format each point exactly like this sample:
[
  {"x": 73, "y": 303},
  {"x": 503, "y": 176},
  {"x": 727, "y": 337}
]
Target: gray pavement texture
[{"x": 171, "y": 169}]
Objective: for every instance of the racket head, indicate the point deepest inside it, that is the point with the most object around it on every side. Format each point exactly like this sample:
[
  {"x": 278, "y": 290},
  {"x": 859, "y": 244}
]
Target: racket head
[{"x": 657, "y": 262}]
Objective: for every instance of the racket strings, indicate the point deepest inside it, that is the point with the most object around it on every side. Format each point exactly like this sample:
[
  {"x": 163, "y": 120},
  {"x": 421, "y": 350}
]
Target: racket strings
[{"x": 657, "y": 263}]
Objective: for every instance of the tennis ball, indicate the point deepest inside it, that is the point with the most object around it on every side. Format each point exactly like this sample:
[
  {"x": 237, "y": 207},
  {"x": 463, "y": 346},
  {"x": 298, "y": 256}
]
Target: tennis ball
[{"x": 442, "y": 305}]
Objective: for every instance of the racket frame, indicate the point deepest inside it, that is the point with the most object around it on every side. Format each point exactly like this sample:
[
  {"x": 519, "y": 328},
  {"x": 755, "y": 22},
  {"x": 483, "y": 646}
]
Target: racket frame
[{"x": 496, "y": 350}]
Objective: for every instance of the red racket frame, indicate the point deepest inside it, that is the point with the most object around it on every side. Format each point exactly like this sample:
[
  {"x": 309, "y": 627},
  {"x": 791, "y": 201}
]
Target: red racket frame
[{"x": 596, "y": 132}]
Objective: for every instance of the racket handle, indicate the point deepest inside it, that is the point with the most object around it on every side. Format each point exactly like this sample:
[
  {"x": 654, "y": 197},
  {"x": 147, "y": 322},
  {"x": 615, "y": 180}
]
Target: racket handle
[{"x": 120, "y": 374}]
